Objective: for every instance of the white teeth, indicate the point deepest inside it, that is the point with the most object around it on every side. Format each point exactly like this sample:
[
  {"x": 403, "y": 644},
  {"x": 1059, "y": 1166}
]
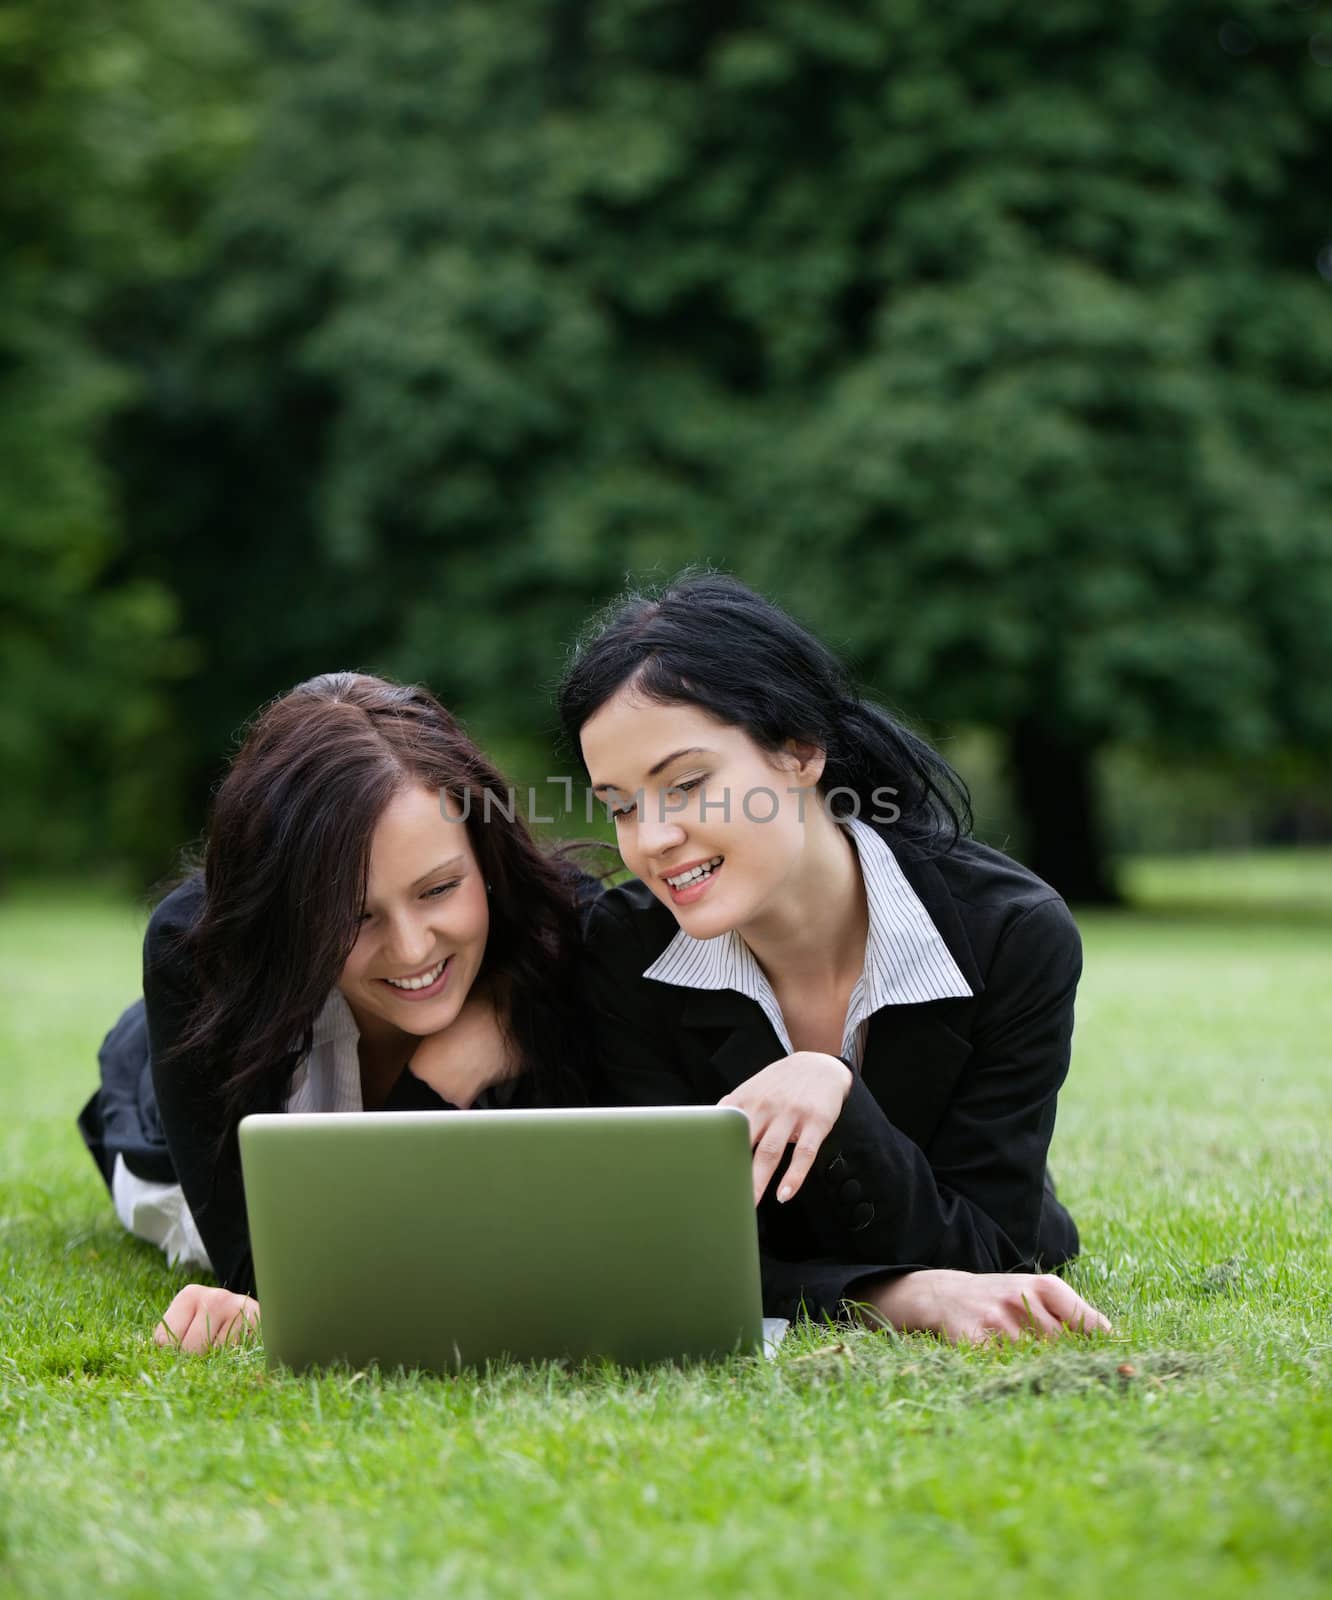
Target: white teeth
[
  {"x": 423, "y": 982},
  {"x": 695, "y": 873}
]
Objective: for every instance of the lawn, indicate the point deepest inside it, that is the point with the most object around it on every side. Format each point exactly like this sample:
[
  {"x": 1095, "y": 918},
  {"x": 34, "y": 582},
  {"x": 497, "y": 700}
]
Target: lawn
[{"x": 1190, "y": 1453}]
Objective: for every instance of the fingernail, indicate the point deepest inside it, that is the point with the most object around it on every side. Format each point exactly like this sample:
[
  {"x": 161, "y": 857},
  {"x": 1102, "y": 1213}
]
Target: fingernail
[{"x": 784, "y": 1193}]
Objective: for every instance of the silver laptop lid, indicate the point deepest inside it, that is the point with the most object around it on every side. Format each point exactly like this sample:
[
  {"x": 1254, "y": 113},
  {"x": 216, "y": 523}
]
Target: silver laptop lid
[{"x": 445, "y": 1239}]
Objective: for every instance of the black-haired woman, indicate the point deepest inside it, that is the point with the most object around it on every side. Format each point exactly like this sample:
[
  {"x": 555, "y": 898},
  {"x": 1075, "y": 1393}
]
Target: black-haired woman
[
  {"x": 814, "y": 939},
  {"x": 368, "y": 931}
]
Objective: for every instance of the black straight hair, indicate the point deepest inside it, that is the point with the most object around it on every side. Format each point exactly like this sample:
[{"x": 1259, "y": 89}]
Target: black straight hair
[{"x": 705, "y": 639}]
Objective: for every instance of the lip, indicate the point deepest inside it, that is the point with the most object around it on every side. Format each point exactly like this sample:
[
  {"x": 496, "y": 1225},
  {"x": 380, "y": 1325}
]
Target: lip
[
  {"x": 410, "y": 996},
  {"x": 693, "y": 892},
  {"x": 684, "y": 866}
]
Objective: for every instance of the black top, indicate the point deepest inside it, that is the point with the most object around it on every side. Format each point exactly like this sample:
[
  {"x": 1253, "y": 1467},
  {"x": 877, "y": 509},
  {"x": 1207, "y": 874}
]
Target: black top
[
  {"x": 161, "y": 1112},
  {"x": 938, "y": 1157}
]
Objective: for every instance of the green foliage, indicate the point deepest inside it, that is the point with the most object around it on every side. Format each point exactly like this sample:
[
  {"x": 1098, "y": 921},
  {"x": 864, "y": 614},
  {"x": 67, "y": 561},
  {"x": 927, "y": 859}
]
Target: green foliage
[
  {"x": 987, "y": 337},
  {"x": 89, "y": 644},
  {"x": 1078, "y": 450}
]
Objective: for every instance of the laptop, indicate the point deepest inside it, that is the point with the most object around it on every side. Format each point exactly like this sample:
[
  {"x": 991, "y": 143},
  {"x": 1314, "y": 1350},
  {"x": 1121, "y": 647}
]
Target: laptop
[{"x": 442, "y": 1240}]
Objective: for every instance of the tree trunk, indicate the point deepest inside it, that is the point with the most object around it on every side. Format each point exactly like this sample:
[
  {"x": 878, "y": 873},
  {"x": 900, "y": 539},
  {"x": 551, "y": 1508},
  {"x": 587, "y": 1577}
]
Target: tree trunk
[{"x": 1055, "y": 788}]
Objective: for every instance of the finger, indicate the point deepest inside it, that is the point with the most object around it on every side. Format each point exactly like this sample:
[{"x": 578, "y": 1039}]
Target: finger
[
  {"x": 768, "y": 1153},
  {"x": 229, "y": 1322},
  {"x": 753, "y": 1115},
  {"x": 210, "y": 1326},
  {"x": 986, "y": 1331},
  {"x": 165, "y": 1332},
  {"x": 1089, "y": 1320},
  {"x": 176, "y": 1318},
  {"x": 228, "y": 1325},
  {"x": 1007, "y": 1327},
  {"x": 211, "y": 1323},
  {"x": 1069, "y": 1306},
  {"x": 1037, "y": 1320},
  {"x": 244, "y": 1322},
  {"x": 808, "y": 1143},
  {"x": 194, "y": 1338}
]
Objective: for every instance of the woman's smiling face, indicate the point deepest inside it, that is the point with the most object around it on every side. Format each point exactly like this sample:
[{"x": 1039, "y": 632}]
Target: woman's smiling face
[
  {"x": 711, "y": 822},
  {"x": 424, "y": 925}
]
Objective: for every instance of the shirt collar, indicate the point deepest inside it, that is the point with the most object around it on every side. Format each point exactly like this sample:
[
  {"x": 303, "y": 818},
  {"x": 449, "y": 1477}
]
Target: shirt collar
[
  {"x": 335, "y": 1021},
  {"x": 329, "y": 1079},
  {"x": 906, "y": 958}
]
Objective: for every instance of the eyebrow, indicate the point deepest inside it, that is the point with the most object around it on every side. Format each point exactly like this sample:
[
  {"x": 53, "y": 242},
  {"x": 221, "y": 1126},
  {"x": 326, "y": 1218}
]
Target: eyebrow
[
  {"x": 689, "y": 750},
  {"x": 444, "y": 866}
]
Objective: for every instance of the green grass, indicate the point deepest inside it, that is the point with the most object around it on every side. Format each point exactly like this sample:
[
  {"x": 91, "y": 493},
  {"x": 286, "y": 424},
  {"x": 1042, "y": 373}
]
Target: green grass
[{"x": 1192, "y": 1148}]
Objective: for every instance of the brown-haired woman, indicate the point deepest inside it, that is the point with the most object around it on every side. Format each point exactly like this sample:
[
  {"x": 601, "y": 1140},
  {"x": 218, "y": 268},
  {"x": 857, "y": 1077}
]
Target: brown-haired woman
[{"x": 369, "y": 930}]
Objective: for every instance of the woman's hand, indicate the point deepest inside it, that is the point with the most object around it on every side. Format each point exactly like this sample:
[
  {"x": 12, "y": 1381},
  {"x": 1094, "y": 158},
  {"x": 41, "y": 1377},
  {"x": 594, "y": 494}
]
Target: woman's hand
[
  {"x": 468, "y": 1056},
  {"x": 971, "y": 1307},
  {"x": 199, "y": 1317},
  {"x": 794, "y": 1101}
]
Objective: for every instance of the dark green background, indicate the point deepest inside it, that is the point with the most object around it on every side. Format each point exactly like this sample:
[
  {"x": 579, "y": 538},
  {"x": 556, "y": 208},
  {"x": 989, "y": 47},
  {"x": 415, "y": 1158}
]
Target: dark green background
[{"x": 990, "y": 338}]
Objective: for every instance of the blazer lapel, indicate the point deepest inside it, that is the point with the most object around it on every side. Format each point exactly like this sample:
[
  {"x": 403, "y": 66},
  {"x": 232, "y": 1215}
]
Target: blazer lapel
[
  {"x": 734, "y": 1033},
  {"x": 913, "y": 1057},
  {"x": 927, "y": 882}
]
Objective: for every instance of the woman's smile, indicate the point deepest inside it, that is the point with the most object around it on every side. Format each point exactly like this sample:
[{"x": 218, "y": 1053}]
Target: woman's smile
[
  {"x": 690, "y": 883},
  {"x": 424, "y": 985}
]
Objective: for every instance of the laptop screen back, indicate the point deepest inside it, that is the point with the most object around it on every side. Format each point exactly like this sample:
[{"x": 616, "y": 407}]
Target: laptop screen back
[{"x": 442, "y": 1240}]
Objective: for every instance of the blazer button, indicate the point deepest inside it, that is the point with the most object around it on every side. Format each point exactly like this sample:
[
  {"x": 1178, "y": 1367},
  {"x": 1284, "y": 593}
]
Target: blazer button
[
  {"x": 849, "y": 1193},
  {"x": 863, "y": 1215}
]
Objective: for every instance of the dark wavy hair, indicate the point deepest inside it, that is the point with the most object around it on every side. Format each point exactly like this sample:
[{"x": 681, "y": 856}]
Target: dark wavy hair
[
  {"x": 707, "y": 640},
  {"x": 285, "y": 873}
]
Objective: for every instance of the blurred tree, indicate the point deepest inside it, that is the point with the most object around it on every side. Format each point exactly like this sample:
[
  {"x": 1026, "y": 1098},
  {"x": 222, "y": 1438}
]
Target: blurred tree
[
  {"x": 89, "y": 646},
  {"x": 348, "y": 410},
  {"x": 83, "y": 651},
  {"x": 987, "y": 336},
  {"x": 1067, "y": 476}
]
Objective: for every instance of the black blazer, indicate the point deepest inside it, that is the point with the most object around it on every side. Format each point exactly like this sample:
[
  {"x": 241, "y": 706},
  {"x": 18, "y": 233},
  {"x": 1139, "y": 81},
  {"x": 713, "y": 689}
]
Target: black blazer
[
  {"x": 161, "y": 1112},
  {"x": 160, "y": 1109},
  {"x": 938, "y": 1158}
]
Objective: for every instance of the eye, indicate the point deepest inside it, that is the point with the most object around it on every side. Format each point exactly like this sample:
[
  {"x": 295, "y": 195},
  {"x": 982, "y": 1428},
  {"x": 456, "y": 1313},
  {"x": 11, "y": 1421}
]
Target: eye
[
  {"x": 441, "y": 889},
  {"x": 689, "y": 785}
]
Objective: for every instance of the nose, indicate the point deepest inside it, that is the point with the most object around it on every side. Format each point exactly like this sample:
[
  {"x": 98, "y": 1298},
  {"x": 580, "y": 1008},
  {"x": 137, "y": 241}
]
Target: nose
[
  {"x": 409, "y": 942},
  {"x": 658, "y": 834}
]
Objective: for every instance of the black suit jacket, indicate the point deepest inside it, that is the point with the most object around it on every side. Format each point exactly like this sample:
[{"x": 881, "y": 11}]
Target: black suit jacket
[
  {"x": 160, "y": 1110},
  {"x": 938, "y": 1158}
]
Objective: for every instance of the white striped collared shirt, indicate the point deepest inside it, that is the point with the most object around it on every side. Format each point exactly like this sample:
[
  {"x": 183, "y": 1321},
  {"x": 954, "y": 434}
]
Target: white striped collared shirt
[
  {"x": 329, "y": 1079},
  {"x": 906, "y": 959}
]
